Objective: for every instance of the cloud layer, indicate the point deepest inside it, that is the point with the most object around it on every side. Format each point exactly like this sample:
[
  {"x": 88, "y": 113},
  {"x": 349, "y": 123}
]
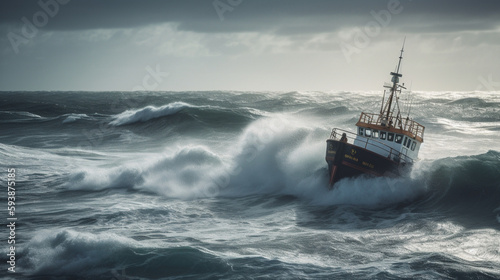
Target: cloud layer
[
  {"x": 243, "y": 44},
  {"x": 281, "y": 16}
]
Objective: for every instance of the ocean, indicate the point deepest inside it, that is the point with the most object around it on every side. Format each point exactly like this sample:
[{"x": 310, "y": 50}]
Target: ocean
[{"x": 233, "y": 185}]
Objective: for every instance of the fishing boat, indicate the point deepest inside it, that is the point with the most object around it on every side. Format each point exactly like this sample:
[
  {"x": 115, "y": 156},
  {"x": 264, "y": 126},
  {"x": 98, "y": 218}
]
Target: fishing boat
[{"x": 384, "y": 144}]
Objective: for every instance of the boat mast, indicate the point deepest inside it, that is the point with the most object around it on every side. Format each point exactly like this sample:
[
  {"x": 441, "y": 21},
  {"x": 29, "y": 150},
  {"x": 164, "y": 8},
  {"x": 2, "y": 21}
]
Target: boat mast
[
  {"x": 395, "y": 81},
  {"x": 382, "y": 105}
]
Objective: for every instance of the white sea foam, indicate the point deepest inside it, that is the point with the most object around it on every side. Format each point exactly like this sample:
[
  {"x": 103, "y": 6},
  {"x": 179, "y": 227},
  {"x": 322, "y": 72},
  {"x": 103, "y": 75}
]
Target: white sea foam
[
  {"x": 101, "y": 178},
  {"x": 190, "y": 172},
  {"x": 147, "y": 113}
]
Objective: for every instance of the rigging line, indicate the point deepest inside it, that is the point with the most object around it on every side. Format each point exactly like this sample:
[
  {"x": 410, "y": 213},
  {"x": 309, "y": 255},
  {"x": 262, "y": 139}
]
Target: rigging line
[{"x": 411, "y": 98}]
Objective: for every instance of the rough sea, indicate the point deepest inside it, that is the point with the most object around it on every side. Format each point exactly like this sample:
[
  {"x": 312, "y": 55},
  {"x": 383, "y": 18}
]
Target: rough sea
[{"x": 233, "y": 185}]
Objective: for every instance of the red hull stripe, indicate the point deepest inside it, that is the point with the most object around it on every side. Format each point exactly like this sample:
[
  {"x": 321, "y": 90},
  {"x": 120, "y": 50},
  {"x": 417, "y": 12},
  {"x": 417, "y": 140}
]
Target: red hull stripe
[{"x": 334, "y": 169}]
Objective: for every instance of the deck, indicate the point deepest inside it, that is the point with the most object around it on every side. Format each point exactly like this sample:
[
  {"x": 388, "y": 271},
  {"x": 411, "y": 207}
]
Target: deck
[{"x": 406, "y": 126}]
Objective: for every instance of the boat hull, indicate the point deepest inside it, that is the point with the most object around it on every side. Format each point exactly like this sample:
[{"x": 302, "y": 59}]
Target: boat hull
[{"x": 347, "y": 160}]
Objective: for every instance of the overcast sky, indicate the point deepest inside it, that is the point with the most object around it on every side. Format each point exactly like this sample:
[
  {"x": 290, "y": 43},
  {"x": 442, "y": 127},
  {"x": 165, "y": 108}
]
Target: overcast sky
[{"x": 248, "y": 45}]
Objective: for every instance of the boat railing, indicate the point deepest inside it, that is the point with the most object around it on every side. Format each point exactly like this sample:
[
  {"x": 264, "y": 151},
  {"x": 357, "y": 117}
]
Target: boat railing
[
  {"x": 408, "y": 125},
  {"x": 365, "y": 142}
]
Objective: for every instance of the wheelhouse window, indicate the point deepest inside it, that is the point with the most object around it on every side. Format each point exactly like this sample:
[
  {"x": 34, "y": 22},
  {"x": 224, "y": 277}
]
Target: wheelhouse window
[
  {"x": 375, "y": 134},
  {"x": 368, "y": 132},
  {"x": 407, "y": 144},
  {"x": 360, "y": 131},
  {"x": 399, "y": 138},
  {"x": 390, "y": 137},
  {"x": 413, "y": 145},
  {"x": 383, "y": 135}
]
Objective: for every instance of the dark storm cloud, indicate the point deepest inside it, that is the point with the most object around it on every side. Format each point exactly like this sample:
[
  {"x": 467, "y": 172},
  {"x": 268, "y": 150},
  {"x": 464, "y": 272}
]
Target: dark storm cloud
[{"x": 280, "y": 16}]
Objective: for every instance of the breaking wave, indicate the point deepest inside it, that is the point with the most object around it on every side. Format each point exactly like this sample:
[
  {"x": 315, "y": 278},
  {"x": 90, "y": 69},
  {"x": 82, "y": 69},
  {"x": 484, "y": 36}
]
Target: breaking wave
[
  {"x": 69, "y": 253},
  {"x": 147, "y": 113},
  {"x": 186, "y": 174},
  {"x": 18, "y": 114},
  {"x": 71, "y": 118}
]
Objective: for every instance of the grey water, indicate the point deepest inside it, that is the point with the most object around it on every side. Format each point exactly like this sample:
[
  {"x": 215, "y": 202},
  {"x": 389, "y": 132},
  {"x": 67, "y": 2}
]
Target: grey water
[{"x": 233, "y": 185}]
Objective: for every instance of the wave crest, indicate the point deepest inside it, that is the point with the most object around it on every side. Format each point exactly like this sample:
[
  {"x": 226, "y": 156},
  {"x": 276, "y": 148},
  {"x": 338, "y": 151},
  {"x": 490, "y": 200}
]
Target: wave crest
[
  {"x": 147, "y": 113},
  {"x": 188, "y": 173},
  {"x": 70, "y": 252},
  {"x": 76, "y": 255},
  {"x": 71, "y": 118}
]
